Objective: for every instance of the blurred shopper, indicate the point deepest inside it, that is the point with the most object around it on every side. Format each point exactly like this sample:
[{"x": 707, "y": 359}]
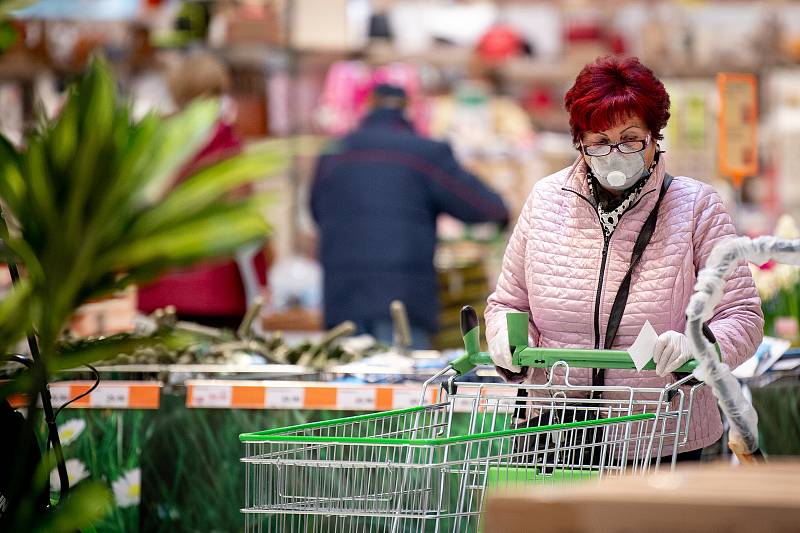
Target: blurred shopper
[
  {"x": 213, "y": 293},
  {"x": 375, "y": 198},
  {"x": 572, "y": 260}
]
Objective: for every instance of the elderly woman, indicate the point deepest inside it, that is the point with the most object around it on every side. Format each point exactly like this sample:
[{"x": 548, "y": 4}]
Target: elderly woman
[{"x": 613, "y": 241}]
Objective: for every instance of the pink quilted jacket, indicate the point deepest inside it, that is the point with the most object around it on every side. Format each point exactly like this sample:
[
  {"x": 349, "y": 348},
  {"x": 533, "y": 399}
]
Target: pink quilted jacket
[{"x": 552, "y": 268}]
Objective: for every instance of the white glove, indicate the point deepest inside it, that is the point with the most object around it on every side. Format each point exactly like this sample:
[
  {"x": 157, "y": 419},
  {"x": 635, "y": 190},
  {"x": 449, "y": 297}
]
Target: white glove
[
  {"x": 500, "y": 351},
  {"x": 670, "y": 352}
]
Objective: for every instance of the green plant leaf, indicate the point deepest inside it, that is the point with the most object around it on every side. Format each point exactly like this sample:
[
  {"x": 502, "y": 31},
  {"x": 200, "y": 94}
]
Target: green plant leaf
[
  {"x": 133, "y": 161},
  {"x": 102, "y": 284},
  {"x": 216, "y": 235},
  {"x": 20, "y": 384},
  {"x": 86, "y": 504},
  {"x": 112, "y": 210},
  {"x": 96, "y": 98},
  {"x": 64, "y": 137},
  {"x": 40, "y": 202},
  {"x": 122, "y": 127},
  {"x": 209, "y": 186},
  {"x": 8, "y": 6},
  {"x": 9, "y": 35},
  {"x": 22, "y": 250},
  {"x": 12, "y": 185},
  {"x": 144, "y": 273},
  {"x": 15, "y": 314},
  {"x": 175, "y": 143}
]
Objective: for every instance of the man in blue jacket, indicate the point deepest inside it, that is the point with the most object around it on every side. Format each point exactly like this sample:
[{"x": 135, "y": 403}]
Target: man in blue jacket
[{"x": 376, "y": 196}]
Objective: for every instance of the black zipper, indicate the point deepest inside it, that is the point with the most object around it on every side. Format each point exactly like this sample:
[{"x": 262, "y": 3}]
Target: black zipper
[
  {"x": 606, "y": 240},
  {"x": 604, "y": 260}
]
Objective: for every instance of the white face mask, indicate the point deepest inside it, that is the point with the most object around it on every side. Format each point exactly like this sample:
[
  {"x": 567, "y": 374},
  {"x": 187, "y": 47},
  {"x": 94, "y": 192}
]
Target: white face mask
[{"x": 617, "y": 171}]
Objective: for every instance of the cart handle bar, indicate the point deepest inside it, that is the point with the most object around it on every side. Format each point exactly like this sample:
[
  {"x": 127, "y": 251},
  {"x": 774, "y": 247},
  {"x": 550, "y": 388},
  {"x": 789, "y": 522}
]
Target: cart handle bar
[{"x": 526, "y": 356}]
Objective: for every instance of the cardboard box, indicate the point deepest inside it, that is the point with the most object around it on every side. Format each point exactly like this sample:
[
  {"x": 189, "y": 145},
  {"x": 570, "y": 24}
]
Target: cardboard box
[
  {"x": 707, "y": 499},
  {"x": 106, "y": 316},
  {"x": 293, "y": 320}
]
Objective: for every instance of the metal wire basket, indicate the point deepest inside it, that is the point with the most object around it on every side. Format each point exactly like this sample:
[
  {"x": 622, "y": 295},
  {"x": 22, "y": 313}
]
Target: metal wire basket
[{"x": 408, "y": 470}]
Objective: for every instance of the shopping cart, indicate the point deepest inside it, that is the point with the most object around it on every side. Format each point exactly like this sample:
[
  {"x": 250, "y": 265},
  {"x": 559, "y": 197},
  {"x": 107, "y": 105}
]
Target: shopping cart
[{"x": 411, "y": 470}]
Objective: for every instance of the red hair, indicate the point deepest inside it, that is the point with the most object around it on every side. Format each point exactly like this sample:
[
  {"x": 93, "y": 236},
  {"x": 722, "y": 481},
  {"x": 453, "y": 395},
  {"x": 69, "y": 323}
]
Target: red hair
[{"x": 612, "y": 89}]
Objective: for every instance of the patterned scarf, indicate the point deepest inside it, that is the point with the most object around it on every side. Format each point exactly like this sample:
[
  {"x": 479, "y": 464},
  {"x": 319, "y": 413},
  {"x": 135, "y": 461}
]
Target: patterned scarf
[{"x": 610, "y": 218}]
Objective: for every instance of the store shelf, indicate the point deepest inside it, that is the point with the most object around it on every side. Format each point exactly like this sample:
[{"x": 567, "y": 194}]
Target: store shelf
[
  {"x": 266, "y": 370},
  {"x": 362, "y": 369},
  {"x": 108, "y": 395},
  {"x": 227, "y": 394}
]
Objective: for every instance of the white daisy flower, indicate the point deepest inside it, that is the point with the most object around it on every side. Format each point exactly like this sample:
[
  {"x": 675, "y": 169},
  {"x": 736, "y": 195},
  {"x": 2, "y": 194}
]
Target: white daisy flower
[
  {"x": 128, "y": 488},
  {"x": 69, "y": 431},
  {"x": 76, "y": 471}
]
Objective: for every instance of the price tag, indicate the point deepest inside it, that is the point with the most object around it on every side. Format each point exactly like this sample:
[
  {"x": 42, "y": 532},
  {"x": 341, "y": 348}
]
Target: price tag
[
  {"x": 109, "y": 396},
  {"x": 211, "y": 396},
  {"x": 284, "y": 398},
  {"x": 355, "y": 399},
  {"x": 406, "y": 397},
  {"x": 59, "y": 395}
]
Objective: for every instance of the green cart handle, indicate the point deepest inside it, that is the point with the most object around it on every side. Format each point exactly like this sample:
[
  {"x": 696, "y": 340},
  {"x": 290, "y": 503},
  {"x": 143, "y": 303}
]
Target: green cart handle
[{"x": 524, "y": 355}]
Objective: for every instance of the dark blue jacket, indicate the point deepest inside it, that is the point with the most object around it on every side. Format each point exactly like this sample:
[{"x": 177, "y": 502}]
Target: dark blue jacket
[{"x": 375, "y": 198}]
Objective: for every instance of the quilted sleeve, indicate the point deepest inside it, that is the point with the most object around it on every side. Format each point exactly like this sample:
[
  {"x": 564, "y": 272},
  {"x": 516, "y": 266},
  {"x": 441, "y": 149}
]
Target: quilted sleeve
[
  {"x": 511, "y": 293},
  {"x": 738, "y": 322}
]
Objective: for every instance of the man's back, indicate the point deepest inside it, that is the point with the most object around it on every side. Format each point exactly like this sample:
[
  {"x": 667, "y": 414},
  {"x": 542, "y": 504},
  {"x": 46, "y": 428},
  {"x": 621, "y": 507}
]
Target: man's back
[{"x": 376, "y": 198}]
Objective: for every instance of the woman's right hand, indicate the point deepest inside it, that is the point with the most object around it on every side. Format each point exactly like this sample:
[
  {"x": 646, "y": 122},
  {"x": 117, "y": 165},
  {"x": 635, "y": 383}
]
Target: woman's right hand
[{"x": 500, "y": 352}]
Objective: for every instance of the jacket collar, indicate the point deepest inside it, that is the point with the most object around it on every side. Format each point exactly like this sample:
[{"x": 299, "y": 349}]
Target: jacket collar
[{"x": 386, "y": 118}]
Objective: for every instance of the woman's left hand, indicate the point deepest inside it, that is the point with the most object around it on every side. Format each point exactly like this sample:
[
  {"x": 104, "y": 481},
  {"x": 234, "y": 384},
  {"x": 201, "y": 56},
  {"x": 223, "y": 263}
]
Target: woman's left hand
[{"x": 670, "y": 352}]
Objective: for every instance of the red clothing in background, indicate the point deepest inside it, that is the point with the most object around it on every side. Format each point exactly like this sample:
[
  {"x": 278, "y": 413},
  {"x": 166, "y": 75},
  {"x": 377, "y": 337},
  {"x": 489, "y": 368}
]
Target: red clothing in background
[{"x": 212, "y": 289}]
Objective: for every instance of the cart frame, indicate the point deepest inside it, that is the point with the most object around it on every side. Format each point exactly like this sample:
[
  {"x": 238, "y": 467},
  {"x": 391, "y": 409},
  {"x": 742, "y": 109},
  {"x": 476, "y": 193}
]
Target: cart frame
[{"x": 407, "y": 470}]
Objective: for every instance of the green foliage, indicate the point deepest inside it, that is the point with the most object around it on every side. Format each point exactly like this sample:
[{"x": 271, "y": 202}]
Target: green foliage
[
  {"x": 784, "y": 303},
  {"x": 95, "y": 200},
  {"x": 86, "y": 504},
  {"x": 7, "y": 6},
  {"x": 109, "y": 444},
  {"x": 8, "y": 35},
  {"x": 93, "y": 204},
  {"x": 778, "y": 407},
  {"x": 13, "y": 312}
]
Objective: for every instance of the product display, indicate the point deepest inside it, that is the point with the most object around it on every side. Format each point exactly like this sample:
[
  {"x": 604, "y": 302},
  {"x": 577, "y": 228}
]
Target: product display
[{"x": 186, "y": 343}]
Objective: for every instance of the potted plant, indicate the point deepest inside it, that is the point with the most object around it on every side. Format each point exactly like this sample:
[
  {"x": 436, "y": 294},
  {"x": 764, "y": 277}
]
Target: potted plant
[{"x": 91, "y": 206}]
